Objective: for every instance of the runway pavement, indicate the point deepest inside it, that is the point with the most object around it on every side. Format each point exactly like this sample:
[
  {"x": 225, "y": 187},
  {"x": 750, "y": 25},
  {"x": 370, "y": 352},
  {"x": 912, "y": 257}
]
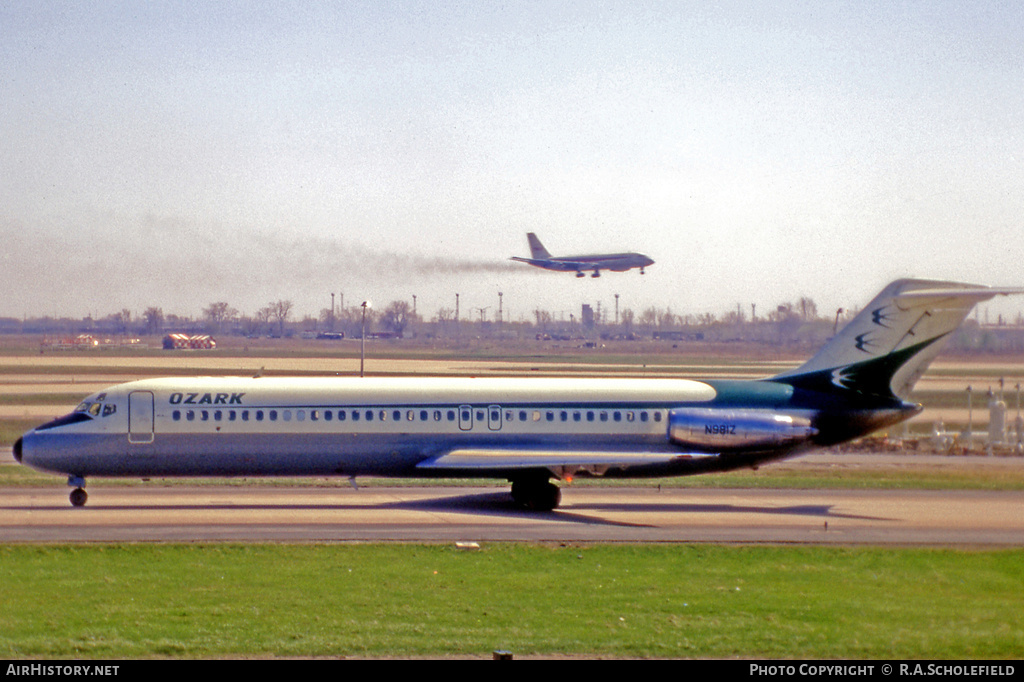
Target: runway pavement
[{"x": 153, "y": 512}]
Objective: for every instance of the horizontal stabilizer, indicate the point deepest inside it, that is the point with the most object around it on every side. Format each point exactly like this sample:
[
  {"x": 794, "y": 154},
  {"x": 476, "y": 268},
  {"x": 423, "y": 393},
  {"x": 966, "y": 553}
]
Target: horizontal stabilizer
[{"x": 886, "y": 348}]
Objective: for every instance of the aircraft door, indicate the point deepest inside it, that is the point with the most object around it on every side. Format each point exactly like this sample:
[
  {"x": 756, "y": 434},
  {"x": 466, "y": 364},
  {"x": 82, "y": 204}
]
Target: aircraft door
[
  {"x": 140, "y": 417},
  {"x": 494, "y": 418},
  {"x": 466, "y": 417}
]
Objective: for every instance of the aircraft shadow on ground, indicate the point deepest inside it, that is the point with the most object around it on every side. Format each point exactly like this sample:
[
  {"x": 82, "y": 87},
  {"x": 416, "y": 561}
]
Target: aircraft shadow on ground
[
  {"x": 822, "y": 511},
  {"x": 497, "y": 503},
  {"x": 500, "y": 503}
]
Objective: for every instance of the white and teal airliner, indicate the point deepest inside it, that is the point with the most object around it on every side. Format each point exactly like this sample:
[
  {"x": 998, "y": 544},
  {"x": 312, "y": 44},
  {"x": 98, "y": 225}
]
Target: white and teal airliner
[{"x": 524, "y": 430}]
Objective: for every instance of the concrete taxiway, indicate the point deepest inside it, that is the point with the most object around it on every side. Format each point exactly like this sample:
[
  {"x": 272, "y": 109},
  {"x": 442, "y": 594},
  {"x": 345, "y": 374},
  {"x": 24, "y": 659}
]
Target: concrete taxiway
[{"x": 158, "y": 513}]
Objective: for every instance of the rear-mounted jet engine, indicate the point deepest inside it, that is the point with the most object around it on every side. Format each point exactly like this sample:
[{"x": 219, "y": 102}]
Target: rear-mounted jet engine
[{"x": 723, "y": 430}]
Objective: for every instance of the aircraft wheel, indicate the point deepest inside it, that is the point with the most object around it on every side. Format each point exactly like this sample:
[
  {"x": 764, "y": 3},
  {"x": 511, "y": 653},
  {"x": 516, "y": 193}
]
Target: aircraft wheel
[
  {"x": 78, "y": 497},
  {"x": 536, "y": 495}
]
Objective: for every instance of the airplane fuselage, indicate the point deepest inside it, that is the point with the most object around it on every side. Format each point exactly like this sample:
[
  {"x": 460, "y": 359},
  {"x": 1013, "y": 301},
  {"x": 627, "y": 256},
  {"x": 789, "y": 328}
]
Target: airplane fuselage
[
  {"x": 618, "y": 262},
  {"x": 421, "y": 427},
  {"x": 595, "y": 263}
]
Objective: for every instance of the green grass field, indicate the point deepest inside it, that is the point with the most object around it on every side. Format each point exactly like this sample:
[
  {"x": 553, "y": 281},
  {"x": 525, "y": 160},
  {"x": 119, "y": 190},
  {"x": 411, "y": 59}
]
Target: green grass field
[{"x": 208, "y": 601}]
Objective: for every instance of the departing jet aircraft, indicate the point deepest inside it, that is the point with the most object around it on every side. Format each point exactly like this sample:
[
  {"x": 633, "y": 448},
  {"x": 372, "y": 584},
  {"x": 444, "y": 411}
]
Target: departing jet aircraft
[
  {"x": 617, "y": 262},
  {"x": 525, "y": 430}
]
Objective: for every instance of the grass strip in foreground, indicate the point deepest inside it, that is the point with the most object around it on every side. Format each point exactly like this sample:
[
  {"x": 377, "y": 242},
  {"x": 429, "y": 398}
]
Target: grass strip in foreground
[{"x": 144, "y": 601}]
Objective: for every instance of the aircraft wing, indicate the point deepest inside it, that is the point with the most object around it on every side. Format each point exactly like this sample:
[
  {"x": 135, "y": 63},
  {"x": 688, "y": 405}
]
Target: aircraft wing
[
  {"x": 483, "y": 459},
  {"x": 552, "y": 264}
]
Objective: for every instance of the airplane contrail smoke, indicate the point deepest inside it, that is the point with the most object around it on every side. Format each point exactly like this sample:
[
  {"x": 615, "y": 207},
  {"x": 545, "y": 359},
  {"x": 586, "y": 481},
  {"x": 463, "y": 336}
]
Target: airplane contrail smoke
[
  {"x": 440, "y": 266},
  {"x": 153, "y": 261}
]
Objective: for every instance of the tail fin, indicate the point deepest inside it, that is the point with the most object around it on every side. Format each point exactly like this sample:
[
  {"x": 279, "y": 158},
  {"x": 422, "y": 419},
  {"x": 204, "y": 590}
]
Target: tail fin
[
  {"x": 886, "y": 348},
  {"x": 537, "y": 250}
]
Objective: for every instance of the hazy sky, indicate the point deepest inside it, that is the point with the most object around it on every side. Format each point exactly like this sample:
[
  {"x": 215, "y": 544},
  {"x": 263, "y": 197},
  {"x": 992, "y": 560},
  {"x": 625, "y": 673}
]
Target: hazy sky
[{"x": 174, "y": 154}]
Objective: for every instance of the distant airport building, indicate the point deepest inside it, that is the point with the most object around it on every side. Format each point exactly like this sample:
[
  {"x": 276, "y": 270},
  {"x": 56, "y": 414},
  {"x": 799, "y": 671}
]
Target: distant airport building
[
  {"x": 189, "y": 342},
  {"x": 587, "y": 316}
]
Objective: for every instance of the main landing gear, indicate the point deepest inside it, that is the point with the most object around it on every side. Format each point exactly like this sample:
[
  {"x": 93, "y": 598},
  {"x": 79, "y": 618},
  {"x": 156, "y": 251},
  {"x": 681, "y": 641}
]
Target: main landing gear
[
  {"x": 78, "y": 495},
  {"x": 536, "y": 494}
]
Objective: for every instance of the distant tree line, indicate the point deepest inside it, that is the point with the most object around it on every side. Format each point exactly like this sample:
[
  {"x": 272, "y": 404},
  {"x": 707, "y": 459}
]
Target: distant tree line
[{"x": 790, "y": 324}]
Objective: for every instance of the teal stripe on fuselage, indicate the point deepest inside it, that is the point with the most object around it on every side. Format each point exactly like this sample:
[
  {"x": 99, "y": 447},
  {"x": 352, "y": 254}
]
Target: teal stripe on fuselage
[{"x": 751, "y": 394}]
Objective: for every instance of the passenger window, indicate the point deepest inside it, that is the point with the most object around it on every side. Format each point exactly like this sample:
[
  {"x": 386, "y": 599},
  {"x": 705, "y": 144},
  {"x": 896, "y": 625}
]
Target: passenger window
[
  {"x": 245, "y": 415},
  {"x": 397, "y": 415},
  {"x": 176, "y": 415},
  {"x": 424, "y": 415},
  {"x": 576, "y": 416},
  {"x": 259, "y": 415},
  {"x": 190, "y": 415},
  {"x": 327, "y": 415},
  {"x": 205, "y": 415},
  {"x": 437, "y": 415},
  {"x": 522, "y": 415},
  {"x": 314, "y": 415},
  {"x": 369, "y": 415},
  {"x": 644, "y": 416},
  {"x": 217, "y": 415},
  {"x": 451, "y": 415},
  {"x": 590, "y": 416},
  {"x": 273, "y": 415},
  {"x": 657, "y": 416},
  {"x": 286, "y": 415}
]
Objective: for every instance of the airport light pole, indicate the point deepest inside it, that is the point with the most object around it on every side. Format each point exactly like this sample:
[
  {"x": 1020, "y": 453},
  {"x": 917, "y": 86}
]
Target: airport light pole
[{"x": 362, "y": 339}]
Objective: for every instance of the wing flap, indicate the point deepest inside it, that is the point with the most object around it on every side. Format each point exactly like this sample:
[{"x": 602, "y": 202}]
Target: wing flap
[{"x": 530, "y": 459}]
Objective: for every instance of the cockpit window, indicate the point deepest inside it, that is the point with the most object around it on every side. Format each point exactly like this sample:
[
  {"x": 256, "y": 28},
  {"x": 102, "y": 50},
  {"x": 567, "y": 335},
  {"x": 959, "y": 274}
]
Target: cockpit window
[{"x": 94, "y": 409}]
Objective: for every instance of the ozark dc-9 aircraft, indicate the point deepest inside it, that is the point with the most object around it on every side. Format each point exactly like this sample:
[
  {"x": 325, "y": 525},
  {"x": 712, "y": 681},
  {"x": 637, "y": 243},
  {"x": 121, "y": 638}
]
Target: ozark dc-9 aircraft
[{"x": 525, "y": 430}]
